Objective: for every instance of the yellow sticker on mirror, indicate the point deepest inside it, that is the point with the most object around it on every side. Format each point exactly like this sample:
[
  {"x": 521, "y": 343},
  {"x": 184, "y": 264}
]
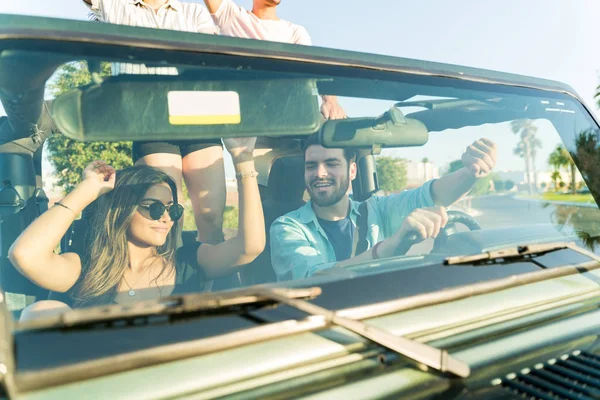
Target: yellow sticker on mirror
[{"x": 203, "y": 108}]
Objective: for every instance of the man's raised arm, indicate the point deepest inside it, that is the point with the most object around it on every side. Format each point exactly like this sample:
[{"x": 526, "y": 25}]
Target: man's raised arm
[{"x": 478, "y": 162}]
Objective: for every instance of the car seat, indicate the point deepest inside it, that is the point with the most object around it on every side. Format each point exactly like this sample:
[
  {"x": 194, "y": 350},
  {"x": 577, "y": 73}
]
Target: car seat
[{"x": 284, "y": 193}]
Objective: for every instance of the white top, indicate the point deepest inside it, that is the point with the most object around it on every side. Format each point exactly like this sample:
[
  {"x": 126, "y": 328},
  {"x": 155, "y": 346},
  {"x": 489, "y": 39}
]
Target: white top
[
  {"x": 236, "y": 21},
  {"x": 174, "y": 15}
]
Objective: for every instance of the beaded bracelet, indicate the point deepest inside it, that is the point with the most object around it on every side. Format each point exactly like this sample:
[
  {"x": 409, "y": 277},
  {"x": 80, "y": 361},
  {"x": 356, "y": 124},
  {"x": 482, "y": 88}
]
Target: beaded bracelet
[{"x": 250, "y": 174}]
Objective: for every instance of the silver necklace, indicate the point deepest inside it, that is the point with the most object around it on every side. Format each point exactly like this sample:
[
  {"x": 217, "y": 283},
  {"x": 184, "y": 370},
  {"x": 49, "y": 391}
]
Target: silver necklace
[{"x": 131, "y": 291}]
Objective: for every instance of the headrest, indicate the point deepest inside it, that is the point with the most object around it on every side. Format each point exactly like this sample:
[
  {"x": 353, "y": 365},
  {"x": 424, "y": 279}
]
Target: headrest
[{"x": 286, "y": 179}]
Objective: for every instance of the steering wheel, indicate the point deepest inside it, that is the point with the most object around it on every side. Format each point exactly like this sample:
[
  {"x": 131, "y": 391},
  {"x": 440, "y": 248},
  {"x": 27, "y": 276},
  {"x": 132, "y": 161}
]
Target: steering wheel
[{"x": 454, "y": 217}]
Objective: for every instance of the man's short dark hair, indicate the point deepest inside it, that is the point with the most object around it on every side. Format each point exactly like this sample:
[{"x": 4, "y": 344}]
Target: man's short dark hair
[{"x": 349, "y": 154}]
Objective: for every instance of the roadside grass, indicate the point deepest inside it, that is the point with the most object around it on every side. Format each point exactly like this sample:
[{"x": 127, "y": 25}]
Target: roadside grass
[
  {"x": 567, "y": 197},
  {"x": 230, "y": 218}
]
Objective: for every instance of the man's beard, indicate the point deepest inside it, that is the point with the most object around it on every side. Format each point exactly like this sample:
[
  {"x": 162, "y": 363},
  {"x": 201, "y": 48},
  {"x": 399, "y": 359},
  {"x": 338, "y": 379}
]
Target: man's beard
[{"x": 328, "y": 199}]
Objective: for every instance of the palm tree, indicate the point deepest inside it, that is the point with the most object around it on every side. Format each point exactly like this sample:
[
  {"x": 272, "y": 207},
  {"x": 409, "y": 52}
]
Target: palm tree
[
  {"x": 556, "y": 161},
  {"x": 425, "y": 161},
  {"x": 561, "y": 158},
  {"x": 535, "y": 144},
  {"x": 527, "y": 149},
  {"x": 555, "y": 178},
  {"x": 522, "y": 150}
]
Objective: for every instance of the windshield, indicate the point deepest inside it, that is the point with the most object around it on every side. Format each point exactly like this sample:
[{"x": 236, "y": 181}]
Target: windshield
[{"x": 431, "y": 167}]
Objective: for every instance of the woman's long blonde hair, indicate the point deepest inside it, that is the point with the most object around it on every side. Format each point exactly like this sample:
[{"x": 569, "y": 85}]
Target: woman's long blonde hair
[{"x": 107, "y": 254}]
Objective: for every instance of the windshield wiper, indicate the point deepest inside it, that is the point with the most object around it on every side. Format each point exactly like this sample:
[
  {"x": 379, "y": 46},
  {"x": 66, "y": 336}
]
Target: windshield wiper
[
  {"x": 515, "y": 254},
  {"x": 231, "y": 302},
  {"x": 247, "y": 300},
  {"x": 438, "y": 359}
]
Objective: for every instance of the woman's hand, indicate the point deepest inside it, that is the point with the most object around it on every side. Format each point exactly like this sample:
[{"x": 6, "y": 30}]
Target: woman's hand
[
  {"x": 33, "y": 252},
  {"x": 100, "y": 176},
  {"x": 228, "y": 257},
  {"x": 240, "y": 148}
]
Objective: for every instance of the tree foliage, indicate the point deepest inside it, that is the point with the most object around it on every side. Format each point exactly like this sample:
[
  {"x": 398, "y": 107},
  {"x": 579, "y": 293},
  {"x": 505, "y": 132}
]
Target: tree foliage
[
  {"x": 556, "y": 178},
  {"x": 425, "y": 161},
  {"x": 499, "y": 185},
  {"x": 527, "y": 149},
  {"x": 391, "y": 173},
  {"x": 69, "y": 157},
  {"x": 482, "y": 185},
  {"x": 455, "y": 166},
  {"x": 587, "y": 157},
  {"x": 561, "y": 158}
]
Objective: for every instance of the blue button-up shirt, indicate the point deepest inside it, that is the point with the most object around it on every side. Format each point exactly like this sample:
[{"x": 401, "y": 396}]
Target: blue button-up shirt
[{"x": 299, "y": 246}]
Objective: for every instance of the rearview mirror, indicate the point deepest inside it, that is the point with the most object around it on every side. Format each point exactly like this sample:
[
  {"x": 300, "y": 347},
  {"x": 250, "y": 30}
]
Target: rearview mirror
[
  {"x": 392, "y": 129},
  {"x": 159, "y": 107}
]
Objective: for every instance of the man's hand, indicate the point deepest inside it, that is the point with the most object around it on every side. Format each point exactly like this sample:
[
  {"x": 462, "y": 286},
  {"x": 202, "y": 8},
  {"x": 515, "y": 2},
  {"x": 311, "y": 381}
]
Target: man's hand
[
  {"x": 424, "y": 222},
  {"x": 480, "y": 157},
  {"x": 331, "y": 109}
]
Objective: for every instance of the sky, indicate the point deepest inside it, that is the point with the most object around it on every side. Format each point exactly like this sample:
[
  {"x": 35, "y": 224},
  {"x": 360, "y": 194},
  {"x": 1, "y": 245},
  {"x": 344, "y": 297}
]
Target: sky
[{"x": 553, "y": 39}]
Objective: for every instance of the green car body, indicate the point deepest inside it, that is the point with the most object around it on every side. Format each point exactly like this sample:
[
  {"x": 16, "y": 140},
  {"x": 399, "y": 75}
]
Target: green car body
[{"x": 499, "y": 327}]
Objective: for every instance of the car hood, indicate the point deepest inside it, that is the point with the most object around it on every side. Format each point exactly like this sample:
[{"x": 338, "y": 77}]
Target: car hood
[{"x": 478, "y": 330}]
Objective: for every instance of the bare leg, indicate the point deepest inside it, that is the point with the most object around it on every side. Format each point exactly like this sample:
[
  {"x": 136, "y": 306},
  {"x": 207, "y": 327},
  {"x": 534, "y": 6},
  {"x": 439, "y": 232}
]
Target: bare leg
[
  {"x": 169, "y": 164},
  {"x": 43, "y": 308},
  {"x": 204, "y": 174}
]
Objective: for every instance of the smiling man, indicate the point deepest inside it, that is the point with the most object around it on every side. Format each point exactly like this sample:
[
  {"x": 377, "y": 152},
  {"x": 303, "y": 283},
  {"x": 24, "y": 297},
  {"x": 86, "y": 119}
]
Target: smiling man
[{"x": 323, "y": 234}]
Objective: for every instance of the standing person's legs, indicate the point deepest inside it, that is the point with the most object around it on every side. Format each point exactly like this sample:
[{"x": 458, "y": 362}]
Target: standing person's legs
[
  {"x": 204, "y": 174},
  {"x": 164, "y": 156}
]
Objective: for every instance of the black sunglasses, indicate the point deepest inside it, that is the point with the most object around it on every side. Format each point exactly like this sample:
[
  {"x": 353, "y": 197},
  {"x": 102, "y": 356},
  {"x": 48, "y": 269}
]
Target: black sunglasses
[{"x": 157, "y": 210}]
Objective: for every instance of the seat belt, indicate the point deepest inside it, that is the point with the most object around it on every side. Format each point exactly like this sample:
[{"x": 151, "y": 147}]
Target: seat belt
[{"x": 360, "y": 243}]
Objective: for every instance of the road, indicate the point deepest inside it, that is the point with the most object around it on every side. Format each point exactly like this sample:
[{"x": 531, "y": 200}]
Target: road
[
  {"x": 496, "y": 211},
  {"x": 499, "y": 211}
]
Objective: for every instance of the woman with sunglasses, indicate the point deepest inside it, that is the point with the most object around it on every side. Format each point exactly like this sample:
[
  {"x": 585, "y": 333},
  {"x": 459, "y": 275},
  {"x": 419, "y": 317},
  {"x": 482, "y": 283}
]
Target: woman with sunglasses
[{"x": 132, "y": 250}]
